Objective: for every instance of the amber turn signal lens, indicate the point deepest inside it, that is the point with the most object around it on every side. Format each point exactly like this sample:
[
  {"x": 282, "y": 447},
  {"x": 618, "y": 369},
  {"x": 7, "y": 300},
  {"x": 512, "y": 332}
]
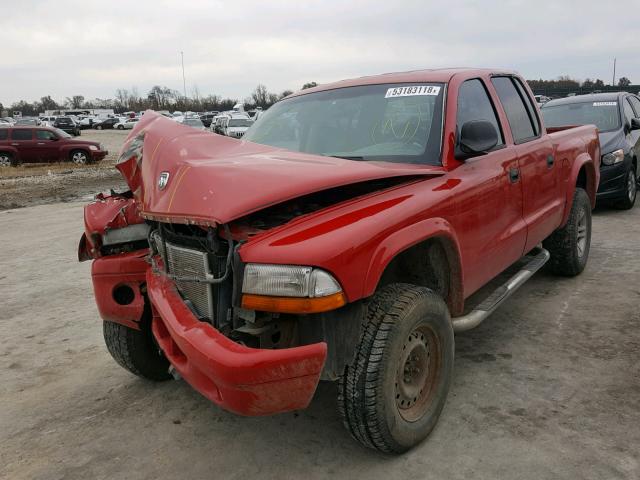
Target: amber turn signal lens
[{"x": 264, "y": 303}]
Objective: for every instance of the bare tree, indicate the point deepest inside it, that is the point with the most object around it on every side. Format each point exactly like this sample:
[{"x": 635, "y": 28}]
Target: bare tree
[{"x": 624, "y": 82}]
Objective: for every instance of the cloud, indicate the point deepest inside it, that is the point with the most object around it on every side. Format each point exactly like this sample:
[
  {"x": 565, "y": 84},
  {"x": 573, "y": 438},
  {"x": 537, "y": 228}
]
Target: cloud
[{"x": 67, "y": 47}]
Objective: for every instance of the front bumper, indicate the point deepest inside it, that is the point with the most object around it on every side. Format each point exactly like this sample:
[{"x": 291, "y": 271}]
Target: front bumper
[
  {"x": 243, "y": 380},
  {"x": 613, "y": 183},
  {"x": 97, "y": 155}
]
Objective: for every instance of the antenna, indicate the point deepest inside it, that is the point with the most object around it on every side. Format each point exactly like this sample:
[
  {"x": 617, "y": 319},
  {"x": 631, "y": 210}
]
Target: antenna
[
  {"x": 613, "y": 82},
  {"x": 184, "y": 82}
]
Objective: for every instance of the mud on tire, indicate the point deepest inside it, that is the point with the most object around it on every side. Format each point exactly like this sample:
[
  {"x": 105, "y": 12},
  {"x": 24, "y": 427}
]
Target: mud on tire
[
  {"x": 392, "y": 395},
  {"x": 569, "y": 245},
  {"x": 136, "y": 351}
]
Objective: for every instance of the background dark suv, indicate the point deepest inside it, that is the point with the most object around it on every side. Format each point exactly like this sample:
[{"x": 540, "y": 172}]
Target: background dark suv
[
  {"x": 617, "y": 116},
  {"x": 67, "y": 124}
]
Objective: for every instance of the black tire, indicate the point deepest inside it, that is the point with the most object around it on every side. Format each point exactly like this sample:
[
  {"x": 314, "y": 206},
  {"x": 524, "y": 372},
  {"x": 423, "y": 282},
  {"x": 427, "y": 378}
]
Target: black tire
[
  {"x": 371, "y": 397},
  {"x": 631, "y": 190},
  {"x": 79, "y": 157},
  {"x": 569, "y": 245},
  {"x": 120, "y": 127},
  {"x": 136, "y": 351},
  {"x": 7, "y": 160},
  {"x": 98, "y": 127}
]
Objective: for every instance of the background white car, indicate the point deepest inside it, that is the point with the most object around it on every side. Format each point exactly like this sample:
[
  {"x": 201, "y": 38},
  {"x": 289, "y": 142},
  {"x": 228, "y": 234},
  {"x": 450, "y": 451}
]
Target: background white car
[
  {"x": 236, "y": 125},
  {"x": 126, "y": 123}
]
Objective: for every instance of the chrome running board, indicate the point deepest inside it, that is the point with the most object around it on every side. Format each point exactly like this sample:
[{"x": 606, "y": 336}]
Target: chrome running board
[{"x": 493, "y": 301}]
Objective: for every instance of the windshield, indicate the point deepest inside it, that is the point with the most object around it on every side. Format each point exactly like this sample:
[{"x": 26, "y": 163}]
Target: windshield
[
  {"x": 61, "y": 133},
  {"x": 240, "y": 122},
  {"x": 389, "y": 122},
  {"x": 193, "y": 122},
  {"x": 604, "y": 115}
]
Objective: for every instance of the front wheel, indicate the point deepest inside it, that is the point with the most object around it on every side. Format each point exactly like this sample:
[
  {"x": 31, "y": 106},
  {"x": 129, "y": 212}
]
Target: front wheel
[
  {"x": 79, "y": 157},
  {"x": 99, "y": 127},
  {"x": 569, "y": 246},
  {"x": 136, "y": 351},
  {"x": 392, "y": 395},
  {"x": 120, "y": 127},
  {"x": 631, "y": 190}
]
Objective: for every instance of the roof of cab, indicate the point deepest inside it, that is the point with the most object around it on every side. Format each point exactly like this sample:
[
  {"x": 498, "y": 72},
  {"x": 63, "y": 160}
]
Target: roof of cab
[
  {"x": 439, "y": 75},
  {"x": 590, "y": 97}
]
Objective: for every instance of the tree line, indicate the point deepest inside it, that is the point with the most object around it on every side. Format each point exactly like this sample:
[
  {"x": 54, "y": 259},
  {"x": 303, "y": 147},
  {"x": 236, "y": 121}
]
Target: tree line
[
  {"x": 165, "y": 98},
  {"x": 158, "y": 98}
]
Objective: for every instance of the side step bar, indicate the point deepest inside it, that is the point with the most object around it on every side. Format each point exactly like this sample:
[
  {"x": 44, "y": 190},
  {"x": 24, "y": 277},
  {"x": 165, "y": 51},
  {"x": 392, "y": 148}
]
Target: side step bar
[{"x": 493, "y": 301}]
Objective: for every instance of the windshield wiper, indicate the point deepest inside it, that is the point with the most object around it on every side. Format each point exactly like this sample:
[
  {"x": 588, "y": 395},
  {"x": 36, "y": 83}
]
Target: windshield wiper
[{"x": 346, "y": 157}]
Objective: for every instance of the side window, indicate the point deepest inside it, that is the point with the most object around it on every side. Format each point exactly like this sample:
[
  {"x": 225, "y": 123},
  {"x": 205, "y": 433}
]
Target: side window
[
  {"x": 21, "y": 134},
  {"x": 45, "y": 135},
  {"x": 514, "y": 106},
  {"x": 4, "y": 133},
  {"x": 530, "y": 108},
  {"x": 635, "y": 103},
  {"x": 628, "y": 111},
  {"x": 474, "y": 104}
]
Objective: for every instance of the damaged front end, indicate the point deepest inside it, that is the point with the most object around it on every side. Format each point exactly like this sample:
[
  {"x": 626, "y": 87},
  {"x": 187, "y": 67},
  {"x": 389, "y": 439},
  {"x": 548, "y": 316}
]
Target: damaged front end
[{"x": 253, "y": 337}]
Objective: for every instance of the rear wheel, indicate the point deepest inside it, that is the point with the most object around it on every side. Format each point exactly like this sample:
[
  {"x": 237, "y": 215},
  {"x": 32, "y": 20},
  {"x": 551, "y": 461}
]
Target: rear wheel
[
  {"x": 136, "y": 351},
  {"x": 391, "y": 397},
  {"x": 98, "y": 127},
  {"x": 631, "y": 190},
  {"x": 569, "y": 245},
  {"x": 120, "y": 127},
  {"x": 6, "y": 160},
  {"x": 79, "y": 157}
]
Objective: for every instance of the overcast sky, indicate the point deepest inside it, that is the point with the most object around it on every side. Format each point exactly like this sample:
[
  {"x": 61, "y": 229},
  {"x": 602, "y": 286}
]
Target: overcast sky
[{"x": 63, "y": 48}]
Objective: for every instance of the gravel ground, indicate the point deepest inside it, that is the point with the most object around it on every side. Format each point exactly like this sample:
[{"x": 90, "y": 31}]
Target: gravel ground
[
  {"x": 547, "y": 388},
  {"x": 38, "y": 184}
]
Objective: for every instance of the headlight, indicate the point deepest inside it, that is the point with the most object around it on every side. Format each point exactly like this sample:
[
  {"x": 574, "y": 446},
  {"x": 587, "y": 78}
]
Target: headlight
[
  {"x": 93, "y": 147},
  {"x": 614, "y": 157},
  {"x": 290, "y": 289}
]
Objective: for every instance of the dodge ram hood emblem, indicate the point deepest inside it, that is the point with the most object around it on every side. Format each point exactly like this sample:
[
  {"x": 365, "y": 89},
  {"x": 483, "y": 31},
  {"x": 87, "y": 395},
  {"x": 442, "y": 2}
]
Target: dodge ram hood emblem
[{"x": 163, "y": 179}]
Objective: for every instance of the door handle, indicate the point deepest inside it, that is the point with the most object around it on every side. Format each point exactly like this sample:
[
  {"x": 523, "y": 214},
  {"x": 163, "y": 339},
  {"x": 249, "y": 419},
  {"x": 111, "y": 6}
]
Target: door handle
[
  {"x": 514, "y": 174},
  {"x": 40, "y": 143},
  {"x": 550, "y": 160}
]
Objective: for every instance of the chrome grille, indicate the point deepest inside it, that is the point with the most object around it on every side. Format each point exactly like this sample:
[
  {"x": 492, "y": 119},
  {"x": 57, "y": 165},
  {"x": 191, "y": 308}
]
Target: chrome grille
[{"x": 185, "y": 262}]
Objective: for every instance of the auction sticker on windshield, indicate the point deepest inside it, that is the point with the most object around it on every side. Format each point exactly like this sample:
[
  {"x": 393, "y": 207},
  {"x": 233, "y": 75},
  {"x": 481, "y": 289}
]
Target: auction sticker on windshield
[
  {"x": 412, "y": 90},
  {"x": 604, "y": 104}
]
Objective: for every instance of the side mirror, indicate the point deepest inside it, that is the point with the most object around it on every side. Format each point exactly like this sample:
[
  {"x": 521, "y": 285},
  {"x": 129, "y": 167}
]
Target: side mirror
[
  {"x": 477, "y": 137},
  {"x": 635, "y": 124}
]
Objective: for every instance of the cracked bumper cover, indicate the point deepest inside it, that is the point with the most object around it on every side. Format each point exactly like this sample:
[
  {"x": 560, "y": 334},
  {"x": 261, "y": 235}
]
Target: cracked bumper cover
[{"x": 246, "y": 381}]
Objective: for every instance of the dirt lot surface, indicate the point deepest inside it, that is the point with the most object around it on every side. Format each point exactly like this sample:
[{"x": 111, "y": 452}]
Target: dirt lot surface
[
  {"x": 35, "y": 184},
  {"x": 547, "y": 388}
]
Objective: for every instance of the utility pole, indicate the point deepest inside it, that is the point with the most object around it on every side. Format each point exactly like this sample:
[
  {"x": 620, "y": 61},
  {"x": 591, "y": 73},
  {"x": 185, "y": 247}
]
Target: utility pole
[
  {"x": 184, "y": 82},
  {"x": 613, "y": 82}
]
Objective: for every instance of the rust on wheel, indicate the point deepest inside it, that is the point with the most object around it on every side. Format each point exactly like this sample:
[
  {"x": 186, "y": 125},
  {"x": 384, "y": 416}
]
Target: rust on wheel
[{"x": 417, "y": 373}]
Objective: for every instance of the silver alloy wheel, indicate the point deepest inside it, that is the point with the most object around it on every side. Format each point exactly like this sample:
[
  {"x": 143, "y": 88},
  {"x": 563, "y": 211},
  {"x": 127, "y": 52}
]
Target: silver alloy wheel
[
  {"x": 631, "y": 185},
  {"x": 5, "y": 160},
  {"x": 581, "y": 242},
  {"x": 79, "y": 158}
]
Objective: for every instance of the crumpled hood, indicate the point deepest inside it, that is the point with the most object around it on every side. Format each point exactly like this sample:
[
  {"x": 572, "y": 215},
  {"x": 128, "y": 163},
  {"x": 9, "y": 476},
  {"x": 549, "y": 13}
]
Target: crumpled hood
[{"x": 215, "y": 179}]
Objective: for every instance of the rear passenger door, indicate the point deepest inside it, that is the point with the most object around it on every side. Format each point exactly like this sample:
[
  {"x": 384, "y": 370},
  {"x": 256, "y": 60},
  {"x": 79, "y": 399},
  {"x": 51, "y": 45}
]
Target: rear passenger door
[
  {"x": 22, "y": 140},
  {"x": 543, "y": 199}
]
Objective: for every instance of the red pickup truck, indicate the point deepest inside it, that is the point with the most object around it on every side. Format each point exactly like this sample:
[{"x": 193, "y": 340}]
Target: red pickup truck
[{"x": 338, "y": 240}]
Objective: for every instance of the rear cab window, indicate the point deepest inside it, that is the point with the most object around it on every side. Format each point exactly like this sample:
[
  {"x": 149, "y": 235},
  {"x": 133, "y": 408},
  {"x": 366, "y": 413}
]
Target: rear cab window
[
  {"x": 21, "y": 134},
  {"x": 523, "y": 122}
]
